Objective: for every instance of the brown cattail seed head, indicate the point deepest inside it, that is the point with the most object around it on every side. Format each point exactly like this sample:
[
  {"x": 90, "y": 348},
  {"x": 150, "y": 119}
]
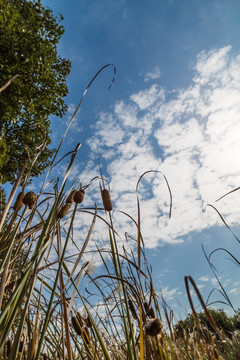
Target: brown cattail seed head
[
  {"x": 79, "y": 196},
  {"x": 71, "y": 196},
  {"x": 9, "y": 346},
  {"x": 146, "y": 307},
  {"x": 30, "y": 199},
  {"x": 88, "y": 322},
  {"x": 79, "y": 318},
  {"x": 64, "y": 210},
  {"x": 19, "y": 201},
  {"x": 153, "y": 327},
  {"x": 21, "y": 346},
  {"x": 76, "y": 325},
  {"x": 151, "y": 313},
  {"x": 132, "y": 309},
  {"x": 106, "y": 198}
]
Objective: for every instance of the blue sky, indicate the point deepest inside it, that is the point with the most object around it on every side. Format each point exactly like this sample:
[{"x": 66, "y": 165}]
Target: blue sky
[{"x": 174, "y": 107}]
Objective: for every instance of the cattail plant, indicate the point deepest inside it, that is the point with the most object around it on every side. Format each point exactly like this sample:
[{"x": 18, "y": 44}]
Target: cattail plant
[
  {"x": 70, "y": 197},
  {"x": 76, "y": 325},
  {"x": 64, "y": 210},
  {"x": 30, "y": 199},
  {"x": 79, "y": 196},
  {"x": 151, "y": 313},
  {"x": 132, "y": 309},
  {"x": 19, "y": 201},
  {"x": 21, "y": 346},
  {"x": 106, "y": 199},
  {"x": 9, "y": 347},
  {"x": 153, "y": 327}
]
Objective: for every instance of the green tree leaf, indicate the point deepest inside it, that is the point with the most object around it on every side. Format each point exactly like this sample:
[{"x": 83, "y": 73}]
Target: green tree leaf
[{"x": 29, "y": 34}]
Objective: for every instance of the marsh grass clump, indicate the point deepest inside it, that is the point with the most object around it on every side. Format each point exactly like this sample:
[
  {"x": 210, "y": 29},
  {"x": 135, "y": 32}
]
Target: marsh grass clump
[
  {"x": 42, "y": 284},
  {"x": 130, "y": 324}
]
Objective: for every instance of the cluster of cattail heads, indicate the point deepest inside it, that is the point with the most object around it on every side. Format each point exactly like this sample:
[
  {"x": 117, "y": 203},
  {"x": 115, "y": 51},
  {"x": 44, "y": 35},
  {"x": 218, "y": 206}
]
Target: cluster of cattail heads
[
  {"x": 76, "y": 196},
  {"x": 29, "y": 199}
]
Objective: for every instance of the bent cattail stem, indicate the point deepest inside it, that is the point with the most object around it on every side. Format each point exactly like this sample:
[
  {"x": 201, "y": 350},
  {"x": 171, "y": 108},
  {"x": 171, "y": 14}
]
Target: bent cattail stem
[
  {"x": 106, "y": 198},
  {"x": 132, "y": 309},
  {"x": 30, "y": 199},
  {"x": 79, "y": 196},
  {"x": 153, "y": 327},
  {"x": 71, "y": 197},
  {"x": 76, "y": 325},
  {"x": 64, "y": 210},
  {"x": 19, "y": 201}
]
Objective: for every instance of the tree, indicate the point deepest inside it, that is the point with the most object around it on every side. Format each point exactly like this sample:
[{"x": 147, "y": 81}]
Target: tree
[
  {"x": 29, "y": 34},
  {"x": 222, "y": 321}
]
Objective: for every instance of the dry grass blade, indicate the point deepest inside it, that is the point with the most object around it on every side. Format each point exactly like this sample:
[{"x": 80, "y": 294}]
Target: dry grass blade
[
  {"x": 228, "y": 252},
  {"x": 230, "y": 192},
  {"x": 219, "y": 282},
  {"x": 221, "y": 217},
  {"x": 9, "y": 83}
]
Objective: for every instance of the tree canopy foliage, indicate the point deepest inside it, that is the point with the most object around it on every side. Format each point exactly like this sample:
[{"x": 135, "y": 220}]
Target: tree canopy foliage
[
  {"x": 29, "y": 34},
  {"x": 225, "y": 323}
]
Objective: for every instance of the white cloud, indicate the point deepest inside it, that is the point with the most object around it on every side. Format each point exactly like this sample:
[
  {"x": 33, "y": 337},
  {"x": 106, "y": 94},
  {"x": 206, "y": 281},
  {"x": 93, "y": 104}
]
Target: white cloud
[
  {"x": 234, "y": 291},
  {"x": 169, "y": 294},
  {"x": 146, "y": 98},
  {"x": 204, "y": 278},
  {"x": 193, "y": 138},
  {"x": 153, "y": 75},
  {"x": 209, "y": 64}
]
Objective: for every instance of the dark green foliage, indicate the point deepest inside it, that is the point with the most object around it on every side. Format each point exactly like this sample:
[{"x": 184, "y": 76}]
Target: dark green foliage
[
  {"x": 223, "y": 322},
  {"x": 236, "y": 320},
  {"x": 29, "y": 34}
]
